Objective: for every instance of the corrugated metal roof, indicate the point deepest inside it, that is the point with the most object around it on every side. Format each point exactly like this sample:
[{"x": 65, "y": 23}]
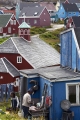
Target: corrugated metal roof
[
  {"x": 51, "y": 73},
  {"x": 37, "y": 52},
  {"x": 24, "y": 25},
  {"x": 30, "y": 11},
  {"x": 4, "y": 18}
]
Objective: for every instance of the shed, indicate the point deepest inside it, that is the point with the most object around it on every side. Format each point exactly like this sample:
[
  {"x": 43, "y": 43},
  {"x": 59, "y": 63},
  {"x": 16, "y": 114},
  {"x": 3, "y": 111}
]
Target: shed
[{"x": 62, "y": 84}]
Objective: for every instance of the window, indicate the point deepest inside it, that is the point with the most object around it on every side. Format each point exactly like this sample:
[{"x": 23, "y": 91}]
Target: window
[
  {"x": 35, "y": 21},
  {"x": 11, "y": 22},
  {"x": 17, "y": 81},
  {"x": 14, "y": 22},
  {"x": 9, "y": 29},
  {"x": 1, "y": 29},
  {"x": 28, "y": 21},
  {"x": 19, "y": 59},
  {"x": 74, "y": 13},
  {"x": 73, "y": 93}
]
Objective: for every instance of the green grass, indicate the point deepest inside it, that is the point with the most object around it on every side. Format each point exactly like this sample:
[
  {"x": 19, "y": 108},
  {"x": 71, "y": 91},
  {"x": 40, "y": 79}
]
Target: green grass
[
  {"x": 10, "y": 116},
  {"x": 3, "y": 39},
  {"x": 52, "y": 38},
  {"x": 37, "y": 30}
]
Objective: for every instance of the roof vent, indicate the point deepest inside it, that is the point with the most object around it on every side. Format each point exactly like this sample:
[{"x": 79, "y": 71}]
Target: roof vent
[
  {"x": 23, "y": 14},
  {"x": 36, "y": 5},
  {"x": 35, "y": 13}
]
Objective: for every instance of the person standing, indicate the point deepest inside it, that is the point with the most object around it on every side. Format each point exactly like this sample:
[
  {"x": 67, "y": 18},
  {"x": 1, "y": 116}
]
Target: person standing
[
  {"x": 14, "y": 102},
  {"x": 26, "y": 103}
]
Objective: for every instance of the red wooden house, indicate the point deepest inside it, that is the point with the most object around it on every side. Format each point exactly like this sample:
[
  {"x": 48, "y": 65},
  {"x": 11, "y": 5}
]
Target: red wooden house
[
  {"x": 8, "y": 24},
  {"x": 35, "y": 16}
]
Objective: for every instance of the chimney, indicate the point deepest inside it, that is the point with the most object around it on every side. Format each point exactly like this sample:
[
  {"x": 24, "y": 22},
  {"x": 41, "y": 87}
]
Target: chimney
[{"x": 24, "y": 30}]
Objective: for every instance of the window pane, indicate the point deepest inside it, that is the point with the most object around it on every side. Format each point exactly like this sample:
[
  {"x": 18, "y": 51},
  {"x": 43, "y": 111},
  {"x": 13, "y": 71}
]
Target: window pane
[{"x": 72, "y": 94}]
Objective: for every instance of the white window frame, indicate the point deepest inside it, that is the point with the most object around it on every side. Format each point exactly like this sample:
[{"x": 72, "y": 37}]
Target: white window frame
[
  {"x": 19, "y": 59},
  {"x": 11, "y": 22},
  {"x": 77, "y": 92},
  {"x": 1, "y": 29},
  {"x": 35, "y": 21},
  {"x": 9, "y": 29},
  {"x": 14, "y": 22}
]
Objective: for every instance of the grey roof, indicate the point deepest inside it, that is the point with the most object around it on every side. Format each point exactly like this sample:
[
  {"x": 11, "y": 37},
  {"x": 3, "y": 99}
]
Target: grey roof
[
  {"x": 49, "y": 6},
  {"x": 37, "y": 52},
  {"x": 55, "y": 73},
  {"x": 8, "y": 47},
  {"x": 7, "y": 67},
  {"x": 4, "y": 18},
  {"x": 76, "y": 21},
  {"x": 74, "y": 1},
  {"x": 2, "y": 66},
  {"x": 28, "y": 4},
  {"x": 31, "y": 11},
  {"x": 70, "y": 7}
]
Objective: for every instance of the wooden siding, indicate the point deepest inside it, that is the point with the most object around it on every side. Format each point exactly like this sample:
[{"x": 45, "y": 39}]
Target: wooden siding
[
  {"x": 7, "y": 78},
  {"x": 13, "y": 59},
  {"x": 45, "y": 18}
]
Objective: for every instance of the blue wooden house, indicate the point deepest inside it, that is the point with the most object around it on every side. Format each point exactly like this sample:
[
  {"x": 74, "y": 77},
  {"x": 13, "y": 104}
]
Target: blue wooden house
[
  {"x": 62, "y": 84},
  {"x": 68, "y": 10}
]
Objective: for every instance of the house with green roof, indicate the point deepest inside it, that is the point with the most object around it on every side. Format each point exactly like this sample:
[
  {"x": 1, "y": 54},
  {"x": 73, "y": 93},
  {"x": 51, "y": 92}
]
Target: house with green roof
[{"x": 8, "y": 24}]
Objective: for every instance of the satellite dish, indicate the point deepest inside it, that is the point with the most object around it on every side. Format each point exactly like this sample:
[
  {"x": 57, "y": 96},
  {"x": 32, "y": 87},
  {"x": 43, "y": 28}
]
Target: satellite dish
[{"x": 65, "y": 105}]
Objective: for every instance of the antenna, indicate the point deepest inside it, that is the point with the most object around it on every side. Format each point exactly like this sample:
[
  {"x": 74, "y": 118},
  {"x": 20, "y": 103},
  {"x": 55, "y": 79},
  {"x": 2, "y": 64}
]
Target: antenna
[{"x": 24, "y": 16}]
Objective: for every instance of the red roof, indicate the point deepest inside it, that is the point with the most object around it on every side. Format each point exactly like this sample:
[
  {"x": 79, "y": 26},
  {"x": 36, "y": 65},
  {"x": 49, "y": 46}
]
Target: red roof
[{"x": 9, "y": 12}]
